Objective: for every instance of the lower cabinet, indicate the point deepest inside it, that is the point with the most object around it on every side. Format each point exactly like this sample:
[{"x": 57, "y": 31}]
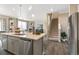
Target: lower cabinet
[
  {"x": 38, "y": 47},
  {"x": 4, "y": 42},
  {"x": 18, "y": 46},
  {"x": 13, "y": 45}
]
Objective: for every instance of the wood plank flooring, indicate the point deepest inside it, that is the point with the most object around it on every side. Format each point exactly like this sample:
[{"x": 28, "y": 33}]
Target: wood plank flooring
[
  {"x": 56, "y": 48},
  {"x": 78, "y": 47}
]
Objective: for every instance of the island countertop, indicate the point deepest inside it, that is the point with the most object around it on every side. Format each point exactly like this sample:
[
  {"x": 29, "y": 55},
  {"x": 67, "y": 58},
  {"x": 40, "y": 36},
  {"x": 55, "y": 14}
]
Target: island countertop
[{"x": 27, "y": 35}]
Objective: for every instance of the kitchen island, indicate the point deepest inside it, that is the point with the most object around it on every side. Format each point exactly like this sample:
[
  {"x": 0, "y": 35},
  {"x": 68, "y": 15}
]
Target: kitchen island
[{"x": 23, "y": 44}]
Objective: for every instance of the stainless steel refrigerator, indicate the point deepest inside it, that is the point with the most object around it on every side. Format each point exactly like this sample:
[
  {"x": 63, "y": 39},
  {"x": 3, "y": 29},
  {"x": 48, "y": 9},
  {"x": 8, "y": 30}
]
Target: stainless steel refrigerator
[{"x": 73, "y": 34}]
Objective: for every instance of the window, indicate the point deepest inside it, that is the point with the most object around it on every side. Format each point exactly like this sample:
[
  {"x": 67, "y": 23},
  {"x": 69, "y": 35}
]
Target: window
[
  {"x": 2, "y": 24},
  {"x": 22, "y": 25}
]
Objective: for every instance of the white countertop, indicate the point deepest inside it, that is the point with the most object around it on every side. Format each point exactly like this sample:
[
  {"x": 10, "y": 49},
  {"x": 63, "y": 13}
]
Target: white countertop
[{"x": 27, "y": 35}]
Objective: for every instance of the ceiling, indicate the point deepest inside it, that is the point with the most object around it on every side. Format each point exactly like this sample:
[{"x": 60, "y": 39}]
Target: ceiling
[
  {"x": 36, "y": 9},
  {"x": 55, "y": 7}
]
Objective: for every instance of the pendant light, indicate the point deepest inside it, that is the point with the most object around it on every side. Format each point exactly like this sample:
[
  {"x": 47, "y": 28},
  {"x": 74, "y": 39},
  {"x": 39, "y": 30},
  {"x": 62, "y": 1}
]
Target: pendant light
[
  {"x": 20, "y": 14},
  {"x": 30, "y": 8}
]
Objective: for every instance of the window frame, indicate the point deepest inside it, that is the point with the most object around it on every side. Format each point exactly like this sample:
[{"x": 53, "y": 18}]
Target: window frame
[{"x": 22, "y": 26}]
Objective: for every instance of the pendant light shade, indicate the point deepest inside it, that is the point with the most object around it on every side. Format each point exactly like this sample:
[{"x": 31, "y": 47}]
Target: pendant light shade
[{"x": 20, "y": 9}]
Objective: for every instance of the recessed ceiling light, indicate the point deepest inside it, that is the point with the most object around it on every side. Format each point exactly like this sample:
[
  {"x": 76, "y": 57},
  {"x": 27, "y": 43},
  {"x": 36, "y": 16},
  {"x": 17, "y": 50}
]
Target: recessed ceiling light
[
  {"x": 33, "y": 15},
  {"x": 30, "y": 8},
  {"x": 51, "y": 9},
  {"x": 13, "y": 9}
]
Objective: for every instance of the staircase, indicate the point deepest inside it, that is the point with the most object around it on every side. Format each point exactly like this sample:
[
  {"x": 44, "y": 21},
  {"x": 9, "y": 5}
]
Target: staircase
[
  {"x": 54, "y": 37},
  {"x": 53, "y": 31}
]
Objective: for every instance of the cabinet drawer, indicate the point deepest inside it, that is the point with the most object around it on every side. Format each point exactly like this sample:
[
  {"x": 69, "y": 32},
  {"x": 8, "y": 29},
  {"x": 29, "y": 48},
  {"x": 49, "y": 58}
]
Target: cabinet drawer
[
  {"x": 10, "y": 37},
  {"x": 3, "y": 36}
]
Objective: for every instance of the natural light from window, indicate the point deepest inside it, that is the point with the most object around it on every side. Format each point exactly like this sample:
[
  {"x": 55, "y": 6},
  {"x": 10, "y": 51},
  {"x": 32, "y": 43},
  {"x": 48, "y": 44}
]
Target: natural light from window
[{"x": 22, "y": 25}]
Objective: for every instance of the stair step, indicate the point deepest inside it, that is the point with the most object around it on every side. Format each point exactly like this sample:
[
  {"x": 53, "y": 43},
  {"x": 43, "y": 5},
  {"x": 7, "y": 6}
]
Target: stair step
[{"x": 53, "y": 38}]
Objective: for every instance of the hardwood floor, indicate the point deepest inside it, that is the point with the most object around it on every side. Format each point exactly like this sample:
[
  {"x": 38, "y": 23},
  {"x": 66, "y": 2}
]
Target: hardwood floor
[
  {"x": 78, "y": 47},
  {"x": 56, "y": 48}
]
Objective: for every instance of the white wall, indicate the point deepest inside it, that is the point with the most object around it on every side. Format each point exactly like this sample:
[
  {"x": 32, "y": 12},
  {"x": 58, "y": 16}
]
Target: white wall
[
  {"x": 73, "y": 8},
  {"x": 78, "y": 7},
  {"x": 64, "y": 23},
  {"x": 63, "y": 20}
]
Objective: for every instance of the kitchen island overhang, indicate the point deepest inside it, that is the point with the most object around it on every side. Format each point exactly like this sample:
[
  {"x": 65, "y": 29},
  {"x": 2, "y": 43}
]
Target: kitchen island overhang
[
  {"x": 27, "y": 35},
  {"x": 35, "y": 41}
]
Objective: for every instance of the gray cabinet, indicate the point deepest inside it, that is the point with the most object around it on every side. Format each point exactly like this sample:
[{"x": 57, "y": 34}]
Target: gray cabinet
[
  {"x": 13, "y": 45},
  {"x": 22, "y": 46},
  {"x": 10, "y": 45},
  {"x": 4, "y": 42},
  {"x": 38, "y": 47},
  {"x": 18, "y": 46}
]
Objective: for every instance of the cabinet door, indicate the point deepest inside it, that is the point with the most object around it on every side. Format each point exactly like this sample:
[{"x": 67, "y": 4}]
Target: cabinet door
[
  {"x": 38, "y": 47},
  {"x": 13, "y": 45},
  {"x": 18, "y": 46},
  {"x": 10, "y": 45},
  {"x": 21, "y": 47},
  {"x": 4, "y": 42}
]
